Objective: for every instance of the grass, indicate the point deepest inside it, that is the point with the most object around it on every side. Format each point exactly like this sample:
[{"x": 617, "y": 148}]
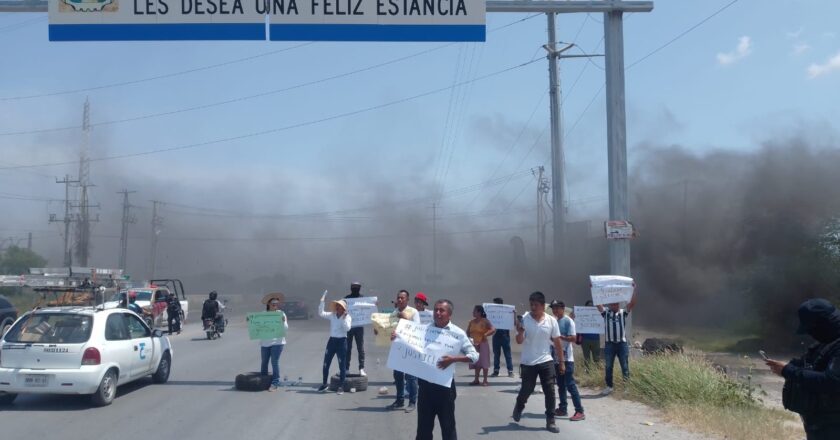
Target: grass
[{"x": 691, "y": 392}]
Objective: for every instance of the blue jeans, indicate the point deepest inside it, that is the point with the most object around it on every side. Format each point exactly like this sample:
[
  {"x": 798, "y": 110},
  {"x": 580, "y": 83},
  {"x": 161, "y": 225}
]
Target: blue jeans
[
  {"x": 406, "y": 381},
  {"x": 501, "y": 342},
  {"x": 273, "y": 353},
  {"x": 566, "y": 382},
  {"x": 336, "y": 347},
  {"x": 611, "y": 350}
]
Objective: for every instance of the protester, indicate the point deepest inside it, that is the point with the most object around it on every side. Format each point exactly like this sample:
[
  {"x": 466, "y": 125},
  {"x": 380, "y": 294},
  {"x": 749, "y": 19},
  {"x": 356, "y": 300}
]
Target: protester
[
  {"x": 615, "y": 340},
  {"x": 591, "y": 345},
  {"x": 405, "y": 382},
  {"x": 812, "y": 382},
  {"x": 273, "y": 348},
  {"x": 340, "y": 323},
  {"x": 501, "y": 342},
  {"x": 536, "y": 332},
  {"x": 421, "y": 302},
  {"x": 479, "y": 329},
  {"x": 566, "y": 381},
  {"x": 436, "y": 400},
  {"x": 173, "y": 313},
  {"x": 356, "y": 333}
]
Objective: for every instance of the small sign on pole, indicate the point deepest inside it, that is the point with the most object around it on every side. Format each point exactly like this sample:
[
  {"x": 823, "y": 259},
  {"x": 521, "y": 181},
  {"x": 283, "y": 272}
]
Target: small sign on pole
[{"x": 619, "y": 229}]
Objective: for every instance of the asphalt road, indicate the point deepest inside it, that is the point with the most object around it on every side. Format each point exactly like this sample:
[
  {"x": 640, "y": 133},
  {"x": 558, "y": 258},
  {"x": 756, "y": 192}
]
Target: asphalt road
[{"x": 200, "y": 403}]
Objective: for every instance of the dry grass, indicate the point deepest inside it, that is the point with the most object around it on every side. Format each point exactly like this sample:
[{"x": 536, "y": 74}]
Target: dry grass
[{"x": 692, "y": 393}]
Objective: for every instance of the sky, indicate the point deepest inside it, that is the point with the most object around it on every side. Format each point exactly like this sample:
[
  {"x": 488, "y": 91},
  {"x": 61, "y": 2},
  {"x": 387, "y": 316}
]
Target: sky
[{"x": 753, "y": 72}]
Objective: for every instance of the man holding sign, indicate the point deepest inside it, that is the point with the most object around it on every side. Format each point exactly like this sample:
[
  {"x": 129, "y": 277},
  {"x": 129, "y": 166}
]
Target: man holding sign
[
  {"x": 405, "y": 382},
  {"x": 615, "y": 338},
  {"x": 437, "y": 400}
]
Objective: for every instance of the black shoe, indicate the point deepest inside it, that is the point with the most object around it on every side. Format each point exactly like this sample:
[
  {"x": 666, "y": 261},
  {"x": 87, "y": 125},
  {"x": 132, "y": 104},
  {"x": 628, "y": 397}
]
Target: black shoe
[
  {"x": 551, "y": 427},
  {"x": 399, "y": 404},
  {"x": 495, "y": 374},
  {"x": 517, "y": 413},
  {"x": 322, "y": 388}
]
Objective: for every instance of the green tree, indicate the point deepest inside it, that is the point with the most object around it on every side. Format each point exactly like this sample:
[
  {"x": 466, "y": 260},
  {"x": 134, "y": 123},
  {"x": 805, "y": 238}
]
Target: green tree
[{"x": 17, "y": 261}]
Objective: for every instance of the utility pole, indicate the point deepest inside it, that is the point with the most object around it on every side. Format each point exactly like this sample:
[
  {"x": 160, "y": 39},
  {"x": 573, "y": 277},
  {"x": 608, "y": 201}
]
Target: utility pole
[
  {"x": 543, "y": 188},
  {"x": 157, "y": 222},
  {"x": 557, "y": 177},
  {"x": 29, "y": 242},
  {"x": 127, "y": 219},
  {"x": 66, "y": 220},
  {"x": 83, "y": 225}
]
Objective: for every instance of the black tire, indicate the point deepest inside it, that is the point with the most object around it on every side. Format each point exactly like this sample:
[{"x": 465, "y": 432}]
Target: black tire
[
  {"x": 359, "y": 382},
  {"x": 163, "y": 370},
  {"x": 107, "y": 390},
  {"x": 253, "y": 382},
  {"x": 7, "y": 398},
  {"x": 5, "y": 326}
]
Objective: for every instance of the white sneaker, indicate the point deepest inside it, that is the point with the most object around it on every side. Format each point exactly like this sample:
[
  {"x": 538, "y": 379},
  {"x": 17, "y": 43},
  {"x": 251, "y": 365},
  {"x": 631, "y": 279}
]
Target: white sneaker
[
  {"x": 340, "y": 391},
  {"x": 607, "y": 391},
  {"x": 362, "y": 372}
]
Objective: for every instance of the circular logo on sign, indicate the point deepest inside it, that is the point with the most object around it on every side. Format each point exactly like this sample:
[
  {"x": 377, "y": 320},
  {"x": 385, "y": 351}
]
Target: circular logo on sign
[{"x": 89, "y": 5}]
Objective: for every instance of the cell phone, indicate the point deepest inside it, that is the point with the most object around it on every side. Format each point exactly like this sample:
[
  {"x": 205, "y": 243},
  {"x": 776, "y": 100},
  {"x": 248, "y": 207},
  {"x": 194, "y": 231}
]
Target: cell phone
[{"x": 763, "y": 355}]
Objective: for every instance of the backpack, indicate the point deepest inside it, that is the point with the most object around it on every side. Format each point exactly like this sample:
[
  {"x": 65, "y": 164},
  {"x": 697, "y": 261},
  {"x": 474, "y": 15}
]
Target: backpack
[{"x": 210, "y": 309}]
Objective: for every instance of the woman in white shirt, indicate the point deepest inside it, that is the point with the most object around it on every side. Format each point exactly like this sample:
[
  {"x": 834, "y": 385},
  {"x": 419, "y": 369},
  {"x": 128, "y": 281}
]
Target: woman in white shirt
[
  {"x": 270, "y": 349},
  {"x": 340, "y": 323}
]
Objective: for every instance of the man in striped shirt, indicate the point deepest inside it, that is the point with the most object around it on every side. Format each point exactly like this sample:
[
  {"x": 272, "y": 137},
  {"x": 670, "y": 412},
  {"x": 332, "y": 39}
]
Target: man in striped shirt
[{"x": 615, "y": 340}]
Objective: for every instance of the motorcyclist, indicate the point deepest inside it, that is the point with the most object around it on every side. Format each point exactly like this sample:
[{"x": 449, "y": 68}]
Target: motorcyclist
[{"x": 212, "y": 309}]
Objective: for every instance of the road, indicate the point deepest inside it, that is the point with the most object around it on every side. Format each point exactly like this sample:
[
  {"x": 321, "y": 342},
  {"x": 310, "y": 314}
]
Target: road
[{"x": 200, "y": 403}]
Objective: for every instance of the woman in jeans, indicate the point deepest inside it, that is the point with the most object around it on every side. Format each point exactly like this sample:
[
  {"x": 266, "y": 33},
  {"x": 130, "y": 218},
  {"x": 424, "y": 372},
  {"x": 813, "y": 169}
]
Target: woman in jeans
[{"x": 270, "y": 349}]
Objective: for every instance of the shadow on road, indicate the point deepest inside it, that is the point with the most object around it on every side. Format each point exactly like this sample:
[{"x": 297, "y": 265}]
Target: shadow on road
[
  {"x": 510, "y": 427},
  {"x": 370, "y": 409},
  {"x": 58, "y": 402},
  {"x": 215, "y": 383},
  {"x": 592, "y": 396}
]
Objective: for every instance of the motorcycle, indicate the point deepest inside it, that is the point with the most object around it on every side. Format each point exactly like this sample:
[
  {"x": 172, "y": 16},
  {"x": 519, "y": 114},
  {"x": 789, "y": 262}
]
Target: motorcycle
[{"x": 214, "y": 327}]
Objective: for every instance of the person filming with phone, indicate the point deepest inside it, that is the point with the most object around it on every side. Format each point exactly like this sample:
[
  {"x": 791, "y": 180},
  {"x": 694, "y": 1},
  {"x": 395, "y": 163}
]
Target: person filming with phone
[{"x": 812, "y": 382}]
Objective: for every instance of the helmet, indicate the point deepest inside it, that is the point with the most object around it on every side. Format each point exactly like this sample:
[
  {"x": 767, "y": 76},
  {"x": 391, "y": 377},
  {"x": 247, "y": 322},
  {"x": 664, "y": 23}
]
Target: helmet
[
  {"x": 213, "y": 295},
  {"x": 132, "y": 294}
]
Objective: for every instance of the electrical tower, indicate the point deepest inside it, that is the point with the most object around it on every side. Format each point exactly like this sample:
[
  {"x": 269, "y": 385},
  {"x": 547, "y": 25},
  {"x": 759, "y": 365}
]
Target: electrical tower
[
  {"x": 68, "y": 258},
  {"x": 84, "y": 218},
  {"x": 543, "y": 190},
  {"x": 157, "y": 222},
  {"x": 127, "y": 219}
]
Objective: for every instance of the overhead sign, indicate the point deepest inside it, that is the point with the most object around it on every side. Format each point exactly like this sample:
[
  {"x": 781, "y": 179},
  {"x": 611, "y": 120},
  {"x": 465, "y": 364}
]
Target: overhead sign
[{"x": 300, "y": 20}]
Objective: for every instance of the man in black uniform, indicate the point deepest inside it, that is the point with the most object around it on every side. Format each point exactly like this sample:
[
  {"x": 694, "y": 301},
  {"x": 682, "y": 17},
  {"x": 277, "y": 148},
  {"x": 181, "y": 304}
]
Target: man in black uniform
[
  {"x": 357, "y": 333},
  {"x": 812, "y": 382},
  {"x": 173, "y": 313}
]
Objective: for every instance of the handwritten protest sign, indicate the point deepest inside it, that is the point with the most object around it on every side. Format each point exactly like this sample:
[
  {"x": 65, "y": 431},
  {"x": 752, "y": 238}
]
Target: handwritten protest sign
[
  {"x": 266, "y": 325},
  {"x": 588, "y": 320},
  {"x": 426, "y": 317},
  {"x": 418, "y": 348},
  {"x": 607, "y": 289},
  {"x": 500, "y": 315},
  {"x": 360, "y": 309},
  {"x": 384, "y": 324}
]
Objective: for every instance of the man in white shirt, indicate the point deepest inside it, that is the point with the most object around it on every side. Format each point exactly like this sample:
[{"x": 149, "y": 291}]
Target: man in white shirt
[
  {"x": 436, "y": 400},
  {"x": 405, "y": 382},
  {"x": 340, "y": 322},
  {"x": 537, "y": 332}
]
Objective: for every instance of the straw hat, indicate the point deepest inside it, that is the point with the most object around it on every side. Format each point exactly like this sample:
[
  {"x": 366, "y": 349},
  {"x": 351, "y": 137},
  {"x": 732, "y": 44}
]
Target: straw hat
[
  {"x": 340, "y": 302},
  {"x": 278, "y": 296}
]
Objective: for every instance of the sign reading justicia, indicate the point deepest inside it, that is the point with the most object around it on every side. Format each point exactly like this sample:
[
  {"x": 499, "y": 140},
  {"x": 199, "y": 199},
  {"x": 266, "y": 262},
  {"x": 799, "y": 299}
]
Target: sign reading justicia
[{"x": 301, "y": 20}]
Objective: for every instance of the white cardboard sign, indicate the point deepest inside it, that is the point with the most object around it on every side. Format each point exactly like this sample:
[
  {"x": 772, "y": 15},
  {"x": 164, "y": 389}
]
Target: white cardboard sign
[
  {"x": 588, "y": 320},
  {"x": 418, "y": 348},
  {"x": 607, "y": 289},
  {"x": 426, "y": 317},
  {"x": 361, "y": 309},
  {"x": 500, "y": 315}
]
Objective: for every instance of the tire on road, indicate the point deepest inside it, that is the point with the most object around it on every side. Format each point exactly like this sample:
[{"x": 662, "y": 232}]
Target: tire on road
[
  {"x": 164, "y": 367},
  {"x": 253, "y": 382},
  {"x": 107, "y": 390},
  {"x": 7, "y": 398},
  {"x": 357, "y": 381}
]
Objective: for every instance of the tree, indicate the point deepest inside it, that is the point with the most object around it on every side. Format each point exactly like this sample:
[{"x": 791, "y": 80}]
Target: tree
[{"x": 17, "y": 261}]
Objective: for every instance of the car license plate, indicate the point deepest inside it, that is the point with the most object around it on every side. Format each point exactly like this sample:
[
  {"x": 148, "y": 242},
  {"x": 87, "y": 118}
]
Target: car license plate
[{"x": 35, "y": 380}]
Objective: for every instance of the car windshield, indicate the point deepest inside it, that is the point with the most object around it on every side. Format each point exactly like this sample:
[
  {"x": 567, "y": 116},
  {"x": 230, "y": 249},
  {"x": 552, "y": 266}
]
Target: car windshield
[
  {"x": 51, "y": 328},
  {"x": 142, "y": 295}
]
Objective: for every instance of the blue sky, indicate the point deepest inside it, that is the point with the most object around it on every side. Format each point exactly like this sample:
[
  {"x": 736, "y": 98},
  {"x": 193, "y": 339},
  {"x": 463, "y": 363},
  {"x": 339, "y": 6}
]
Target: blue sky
[{"x": 758, "y": 71}]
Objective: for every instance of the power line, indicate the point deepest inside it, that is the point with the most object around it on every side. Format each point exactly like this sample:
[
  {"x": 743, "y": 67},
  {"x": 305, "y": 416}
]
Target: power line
[{"x": 278, "y": 129}]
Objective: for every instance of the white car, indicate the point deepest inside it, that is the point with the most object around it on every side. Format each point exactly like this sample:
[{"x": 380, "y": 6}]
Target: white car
[{"x": 80, "y": 350}]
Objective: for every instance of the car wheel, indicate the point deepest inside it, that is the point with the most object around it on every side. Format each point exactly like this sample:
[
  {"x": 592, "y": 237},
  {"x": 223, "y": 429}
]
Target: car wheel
[
  {"x": 164, "y": 367},
  {"x": 253, "y": 382},
  {"x": 7, "y": 398},
  {"x": 107, "y": 390}
]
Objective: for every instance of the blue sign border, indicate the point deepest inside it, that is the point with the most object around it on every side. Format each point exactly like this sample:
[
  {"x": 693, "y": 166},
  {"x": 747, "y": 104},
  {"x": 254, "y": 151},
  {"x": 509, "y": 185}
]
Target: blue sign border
[
  {"x": 377, "y": 32},
  {"x": 157, "y": 32}
]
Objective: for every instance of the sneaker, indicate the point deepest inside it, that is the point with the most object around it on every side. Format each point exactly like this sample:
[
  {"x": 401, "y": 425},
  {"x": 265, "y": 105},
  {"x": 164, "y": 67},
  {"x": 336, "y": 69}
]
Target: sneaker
[
  {"x": 517, "y": 413},
  {"x": 561, "y": 413},
  {"x": 340, "y": 391},
  {"x": 510, "y": 373},
  {"x": 577, "y": 417},
  {"x": 551, "y": 426},
  {"x": 352, "y": 390},
  {"x": 272, "y": 388},
  {"x": 323, "y": 388},
  {"x": 399, "y": 404},
  {"x": 410, "y": 408},
  {"x": 495, "y": 374},
  {"x": 607, "y": 391},
  {"x": 362, "y": 372}
]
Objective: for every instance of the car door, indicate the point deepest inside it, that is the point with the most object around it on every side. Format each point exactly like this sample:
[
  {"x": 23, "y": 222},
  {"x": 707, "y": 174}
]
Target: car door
[
  {"x": 117, "y": 346},
  {"x": 141, "y": 341}
]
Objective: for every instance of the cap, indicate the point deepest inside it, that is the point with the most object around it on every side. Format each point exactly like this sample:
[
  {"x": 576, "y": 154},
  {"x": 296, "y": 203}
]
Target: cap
[
  {"x": 556, "y": 303},
  {"x": 421, "y": 297}
]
